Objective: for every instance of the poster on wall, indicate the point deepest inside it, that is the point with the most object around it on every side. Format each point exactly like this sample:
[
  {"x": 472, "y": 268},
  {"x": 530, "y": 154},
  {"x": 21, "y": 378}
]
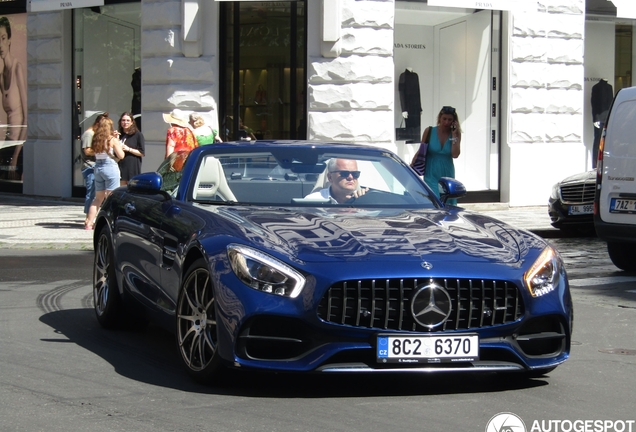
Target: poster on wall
[{"x": 13, "y": 86}]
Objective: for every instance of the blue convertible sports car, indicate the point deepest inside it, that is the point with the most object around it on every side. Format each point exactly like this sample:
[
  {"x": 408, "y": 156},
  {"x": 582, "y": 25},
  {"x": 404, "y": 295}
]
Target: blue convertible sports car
[{"x": 315, "y": 257}]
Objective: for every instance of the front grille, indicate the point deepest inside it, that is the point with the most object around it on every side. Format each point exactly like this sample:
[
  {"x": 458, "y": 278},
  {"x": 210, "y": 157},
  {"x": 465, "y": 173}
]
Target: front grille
[
  {"x": 578, "y": 193},
  {"x": 386, "y": 304}
]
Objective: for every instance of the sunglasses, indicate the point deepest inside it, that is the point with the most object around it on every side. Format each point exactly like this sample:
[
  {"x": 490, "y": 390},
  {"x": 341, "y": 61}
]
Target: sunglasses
[
  {"x": 346, "y": 174},
  {"x": 448, "y": 110}
]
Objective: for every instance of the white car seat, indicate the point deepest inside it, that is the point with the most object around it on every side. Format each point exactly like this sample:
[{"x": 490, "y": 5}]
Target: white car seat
[{"x": 211, "y": 182}]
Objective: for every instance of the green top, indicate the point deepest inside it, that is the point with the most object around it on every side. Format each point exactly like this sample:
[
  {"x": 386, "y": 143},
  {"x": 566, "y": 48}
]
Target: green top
[{"x": 205, "y": 135}]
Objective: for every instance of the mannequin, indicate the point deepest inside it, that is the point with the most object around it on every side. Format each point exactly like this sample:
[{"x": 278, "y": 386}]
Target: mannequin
[
  {"x": 602, "y": 96},
  {"x": 409, "y": 89}
]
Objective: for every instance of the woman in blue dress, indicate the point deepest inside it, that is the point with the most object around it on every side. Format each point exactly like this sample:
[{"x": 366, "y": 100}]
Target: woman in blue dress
[{"x": 443, "y": 147}]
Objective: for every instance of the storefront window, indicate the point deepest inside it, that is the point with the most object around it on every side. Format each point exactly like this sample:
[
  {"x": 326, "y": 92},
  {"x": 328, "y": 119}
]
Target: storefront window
[
  {"x": 106, "y": 68},
  {"x": 13, "y": 85},
  {"x": 263, "y": 68},
  {"x": 609, "y": 61}
]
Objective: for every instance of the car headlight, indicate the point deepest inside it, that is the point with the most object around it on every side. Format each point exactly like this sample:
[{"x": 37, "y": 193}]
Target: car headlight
[
  {"x": 263, "y": 272},
  {"x": 543, "y": 276}
]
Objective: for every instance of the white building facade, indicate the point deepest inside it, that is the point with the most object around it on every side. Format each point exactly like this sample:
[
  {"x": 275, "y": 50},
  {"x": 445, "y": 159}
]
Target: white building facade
[{"x": 519, "y": 73}]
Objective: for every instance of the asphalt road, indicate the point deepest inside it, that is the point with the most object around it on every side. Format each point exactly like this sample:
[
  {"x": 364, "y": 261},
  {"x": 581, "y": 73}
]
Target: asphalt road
[{"x": 59, "y": 371}]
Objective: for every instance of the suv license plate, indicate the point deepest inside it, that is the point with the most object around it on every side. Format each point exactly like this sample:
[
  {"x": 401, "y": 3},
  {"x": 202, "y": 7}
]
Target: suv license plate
[
  {"x": 580, "y": 209},
  {"x": 618, "y": 205},
  {"x": 427, "y": 348}
]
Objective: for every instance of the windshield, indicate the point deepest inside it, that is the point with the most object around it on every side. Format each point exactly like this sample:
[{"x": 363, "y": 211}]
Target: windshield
[{"x": 306, "y": 177}]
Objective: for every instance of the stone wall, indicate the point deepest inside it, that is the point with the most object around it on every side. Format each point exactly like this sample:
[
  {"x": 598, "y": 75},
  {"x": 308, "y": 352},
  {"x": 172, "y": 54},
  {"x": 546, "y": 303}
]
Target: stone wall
[
  {"x": 350, "y": 97},
  {"x": 544, "y": 128},
  {"x": 170, "y": 78},
  {"x": 47, "y": 153},
  {"x": 546, "y": 73}
]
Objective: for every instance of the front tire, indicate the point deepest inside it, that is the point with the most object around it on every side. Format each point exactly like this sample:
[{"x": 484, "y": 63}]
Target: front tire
[
  {"x": 623, "y": 255},
  {"x": 106, "y": 300},
  {"x": 197, "y": 339}
]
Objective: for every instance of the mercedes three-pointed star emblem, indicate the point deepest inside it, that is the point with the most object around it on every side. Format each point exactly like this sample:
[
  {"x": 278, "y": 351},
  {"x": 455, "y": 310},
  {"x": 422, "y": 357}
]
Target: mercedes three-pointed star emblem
[
  {"x": 431, "y": 305},
  {"x": 427, "y": 265}
]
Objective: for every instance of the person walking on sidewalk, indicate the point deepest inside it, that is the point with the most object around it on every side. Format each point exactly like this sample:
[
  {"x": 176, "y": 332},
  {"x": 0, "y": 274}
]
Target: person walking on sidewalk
[
  {"x": 107, "y": 147},
  {"x": 88, "y": 164}
]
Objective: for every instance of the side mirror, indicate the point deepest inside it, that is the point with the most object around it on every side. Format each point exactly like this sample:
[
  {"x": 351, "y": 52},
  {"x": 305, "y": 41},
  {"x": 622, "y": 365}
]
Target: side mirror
[
  {"x": 146, "y": 183},
  {"x": 451, "y": 188}
]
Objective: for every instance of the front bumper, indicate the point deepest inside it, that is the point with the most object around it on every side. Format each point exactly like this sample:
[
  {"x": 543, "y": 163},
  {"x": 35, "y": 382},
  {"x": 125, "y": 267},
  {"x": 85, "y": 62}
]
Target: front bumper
[
  {"x": 276, "y": 343},
  {"x": 267, "y": 332},
  {"x": 559, "y": 217}
]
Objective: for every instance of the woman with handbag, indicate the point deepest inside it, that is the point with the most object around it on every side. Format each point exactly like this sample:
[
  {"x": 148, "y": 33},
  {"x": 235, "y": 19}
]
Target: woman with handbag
[{"x": 444, "y": 142}]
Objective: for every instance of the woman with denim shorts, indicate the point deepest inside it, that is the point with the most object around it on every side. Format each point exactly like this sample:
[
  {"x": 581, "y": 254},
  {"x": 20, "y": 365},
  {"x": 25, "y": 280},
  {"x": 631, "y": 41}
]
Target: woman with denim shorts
[
  {"x": 88, "y": 164},
  {"x": 107, "y": 148}
]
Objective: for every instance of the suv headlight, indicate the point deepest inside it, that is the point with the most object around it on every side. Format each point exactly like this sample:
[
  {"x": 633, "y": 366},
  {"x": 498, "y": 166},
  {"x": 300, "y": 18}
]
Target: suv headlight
[
  {"x": 544, "y": 275},
  {"x": 264, "y": 272}
]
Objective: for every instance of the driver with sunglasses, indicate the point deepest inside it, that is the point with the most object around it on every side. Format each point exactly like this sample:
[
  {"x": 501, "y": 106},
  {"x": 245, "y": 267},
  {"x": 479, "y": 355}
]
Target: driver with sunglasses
[{"x": 343, "y": 176}]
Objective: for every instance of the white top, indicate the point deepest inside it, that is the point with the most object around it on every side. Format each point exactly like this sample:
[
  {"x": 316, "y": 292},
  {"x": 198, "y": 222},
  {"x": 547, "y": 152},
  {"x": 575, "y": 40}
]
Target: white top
[{"x": 105, "y": 156}]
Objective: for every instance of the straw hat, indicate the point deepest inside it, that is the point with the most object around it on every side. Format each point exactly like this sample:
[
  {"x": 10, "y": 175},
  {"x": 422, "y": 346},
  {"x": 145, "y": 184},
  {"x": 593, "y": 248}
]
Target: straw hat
[{"x": 177, "y": 117}]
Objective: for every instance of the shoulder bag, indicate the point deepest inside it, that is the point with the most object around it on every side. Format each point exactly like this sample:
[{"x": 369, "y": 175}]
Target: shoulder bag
[{"x": 419, "y": 159}]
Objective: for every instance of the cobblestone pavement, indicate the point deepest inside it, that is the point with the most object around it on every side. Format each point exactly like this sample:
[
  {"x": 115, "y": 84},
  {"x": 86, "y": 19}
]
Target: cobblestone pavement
[{"x": 32, "y": 223}]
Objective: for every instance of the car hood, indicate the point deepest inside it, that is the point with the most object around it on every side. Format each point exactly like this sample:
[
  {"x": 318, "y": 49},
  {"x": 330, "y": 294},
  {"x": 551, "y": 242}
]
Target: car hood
[
  {"x": 315, "y": 235},
  {"x": 580, "y": 177}
]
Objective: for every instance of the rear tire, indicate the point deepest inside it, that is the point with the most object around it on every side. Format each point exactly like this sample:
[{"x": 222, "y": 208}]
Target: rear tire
[
  {"x": 623, "y": 255},
  {"x": 106, "y": 300},
  {"x": 197, "y": 339}
]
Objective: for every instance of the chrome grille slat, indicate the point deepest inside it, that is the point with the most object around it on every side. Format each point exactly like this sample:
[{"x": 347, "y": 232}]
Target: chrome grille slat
[
  {"x": 459, "y": 303},
  {"x": 372, "y": 303},
  {"x": 401, "y": 308},
  {"x": 578, "y": 193},
  {"x": 359, "y": 303},
  {"x": 344, "y": 305},
  {"x": 483, "y": 304},
  {"x": 386, "y": 304},
  {"x": 494, "y": 306},
  {"x": 470, "y": 303}
]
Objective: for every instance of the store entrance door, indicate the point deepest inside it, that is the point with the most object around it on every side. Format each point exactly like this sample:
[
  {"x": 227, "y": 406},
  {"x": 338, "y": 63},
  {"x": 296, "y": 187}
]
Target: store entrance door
[
  {"x": 107, "y": 47},
  {"x": 263, "y": 60},
  {"x": 463, "y": 80}
]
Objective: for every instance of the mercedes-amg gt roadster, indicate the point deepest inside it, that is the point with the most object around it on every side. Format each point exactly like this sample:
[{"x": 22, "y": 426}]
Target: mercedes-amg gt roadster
[{"x": 299, "y": 256}]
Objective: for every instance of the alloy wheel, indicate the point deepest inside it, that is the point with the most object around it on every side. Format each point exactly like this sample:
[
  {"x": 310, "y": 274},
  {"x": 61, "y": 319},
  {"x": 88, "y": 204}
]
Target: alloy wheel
[
  {"x": 196, "y": 321},
  {"x": 101, "y": 275}
]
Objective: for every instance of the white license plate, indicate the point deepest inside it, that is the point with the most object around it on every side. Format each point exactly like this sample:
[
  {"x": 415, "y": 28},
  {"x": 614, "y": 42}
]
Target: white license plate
[
  {"x": 618, "y": 205},
  {"x": 580, "y": 209},
  {"x": 427, "y": 348}
]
